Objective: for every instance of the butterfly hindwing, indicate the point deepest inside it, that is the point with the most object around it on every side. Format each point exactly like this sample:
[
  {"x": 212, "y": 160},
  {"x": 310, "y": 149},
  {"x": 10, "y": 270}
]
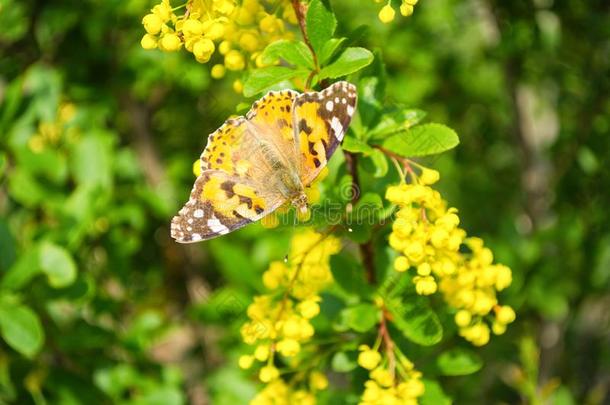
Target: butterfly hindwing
[
  {"x": 220, "y": 203},
  {"x": 321, "y": 121}
]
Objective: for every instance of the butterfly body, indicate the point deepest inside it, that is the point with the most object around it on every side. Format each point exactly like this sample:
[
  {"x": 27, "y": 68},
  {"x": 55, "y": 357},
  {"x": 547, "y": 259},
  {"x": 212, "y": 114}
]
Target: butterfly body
[{"x": 254, "y": 164}]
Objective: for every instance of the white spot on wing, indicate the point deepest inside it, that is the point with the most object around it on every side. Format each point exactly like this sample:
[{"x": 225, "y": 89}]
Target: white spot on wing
[
  {"x": 216, "y": 226},
  {"x": 335, "y": 124},
  {"x": 350, "y": 110},
  {"x": 330, "y": 105},
  {"x": 195, "y": 237},
  {"x": 198, "y": 213}
]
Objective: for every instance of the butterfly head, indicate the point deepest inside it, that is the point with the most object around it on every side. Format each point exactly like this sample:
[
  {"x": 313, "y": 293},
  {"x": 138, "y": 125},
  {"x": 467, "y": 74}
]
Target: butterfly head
[{"x": 301, "y": 203}]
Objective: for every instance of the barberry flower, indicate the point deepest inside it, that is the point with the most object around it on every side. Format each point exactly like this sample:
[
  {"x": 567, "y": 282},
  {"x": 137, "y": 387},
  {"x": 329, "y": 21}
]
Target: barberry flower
[
  {"x": 427, "y": 235},
  {"x": 239, "y": 30},
  {"x": 387, "y": 12}
]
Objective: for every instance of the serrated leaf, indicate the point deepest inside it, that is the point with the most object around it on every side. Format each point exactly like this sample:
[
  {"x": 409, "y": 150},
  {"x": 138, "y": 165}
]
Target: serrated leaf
[
  {"x": 321, "y": 24},
  {"x": 361, "y": 317},
  {"x": 396, "y": 120},
  {"x": 263, "y": 79},
  {"x": 422, "y": 140},
  {"x": 350, "y": 61},
  {"x": 416, "y": 320},
  {"x": 329, "y": 49},
  {"x": 458, "y": 362},
  {"x": 58, "y": 265},
  {"x": 354, "y": 145},
  {"x": 349, "y": 274},
  {"x": 21, "y": 328},
  {"x": 294, "y": 52}
]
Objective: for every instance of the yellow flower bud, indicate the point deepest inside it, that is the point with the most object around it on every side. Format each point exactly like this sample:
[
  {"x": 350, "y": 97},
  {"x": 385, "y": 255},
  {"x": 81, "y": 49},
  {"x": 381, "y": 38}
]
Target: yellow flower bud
[
  {"x": 224, "y": 47},
  {"x": 505, "y": 314},
  {"x": 197, "y": 168},
  {"x": 148, "y": 42},
  {"x": 498, "y": 328},
  {"x": 309, "y": 309},
  {"x": 234, "y": 60},
  {"x": 288, "y": 347},
  {"x": 412, "y": 388},
  {"x": 215, "y": 31},
  {"x": 268, "y": 374},
  {"x": 203, "y": 49},
  {"x": 192, "y": 27},
  {"x": 429, "y": 176},
  {"x": 245, "y": 361},
  {"x": 261, "y": 353},
  {"x": 462, "y": 318},
  {"x": 401, "y": 264},
  {"x": 238, "y": 86},
  {"x": 406, "y": 9},
  {"x": 249, "y": 42},
  {"x": 170, "y": 42},
  {"x": 382, "y": 376},
  {"x": 318, "y": 381},
  {"x": 218, "y": 71},
  {"x": 163, "y": 11},
  {"x": 152, "y": 24},
  {"x": 368, "y": 358},
  {"x": 387, "y": 14},
  {"x": 424, "y": 269}
]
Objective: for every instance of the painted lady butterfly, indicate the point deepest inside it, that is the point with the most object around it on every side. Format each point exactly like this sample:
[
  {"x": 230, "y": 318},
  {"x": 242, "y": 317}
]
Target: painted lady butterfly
[{"x": 253, "y": 165}]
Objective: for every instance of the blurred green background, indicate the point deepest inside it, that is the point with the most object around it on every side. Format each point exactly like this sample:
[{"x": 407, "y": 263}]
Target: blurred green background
[{"x": 97, "y": 141}]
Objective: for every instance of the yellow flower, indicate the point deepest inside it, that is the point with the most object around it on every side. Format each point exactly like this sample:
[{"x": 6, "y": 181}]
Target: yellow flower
[
  {"x": 318, "y": 381},
  {"x": 218, "y": 71},
  {"x": 170, "y": 42},
  {"x": 387, "y": 14},
  {"x": 148, "y": 42},
  {"x": 427, "y": 235},
  {"x": 268, "y": 373},
  {"x": 152, "y": 23},
  {"x": 368, "y": 358}
]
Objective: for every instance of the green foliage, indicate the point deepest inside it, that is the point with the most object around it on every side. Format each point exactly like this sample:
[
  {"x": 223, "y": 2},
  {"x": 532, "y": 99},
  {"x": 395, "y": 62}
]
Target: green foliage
[{"x": 98, "y": 305}]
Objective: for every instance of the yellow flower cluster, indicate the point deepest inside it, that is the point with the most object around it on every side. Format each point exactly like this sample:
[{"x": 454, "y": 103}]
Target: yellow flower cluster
[
  {"x": 51, "y": 133},
  {"x": 239, "y": 31},
  {"x": 427, "y": 235},
  {"x": 390, "y": 383},
  {"x": 278, "y": 392},
  {"x": 279, "y": 322},
  {"x": 387, "y": 13}
]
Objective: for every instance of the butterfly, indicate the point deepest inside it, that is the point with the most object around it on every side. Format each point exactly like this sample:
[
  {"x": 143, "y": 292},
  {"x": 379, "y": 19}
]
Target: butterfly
[{"x": 252, "y": 165}]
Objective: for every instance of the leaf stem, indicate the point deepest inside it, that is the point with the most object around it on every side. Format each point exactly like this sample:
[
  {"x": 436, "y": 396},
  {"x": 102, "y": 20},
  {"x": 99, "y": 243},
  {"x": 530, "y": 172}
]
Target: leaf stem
[{"x": 300, "y": 10}]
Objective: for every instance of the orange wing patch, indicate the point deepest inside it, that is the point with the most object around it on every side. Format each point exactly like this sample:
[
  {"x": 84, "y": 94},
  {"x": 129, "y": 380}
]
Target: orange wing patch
[{"x": 322, "y": 120}]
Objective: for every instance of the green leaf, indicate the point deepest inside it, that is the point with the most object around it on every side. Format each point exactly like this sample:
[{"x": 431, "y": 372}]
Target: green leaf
[
  {"x": 91, "y": 159},
  {"x": 349, "y": 274},
  {"x": 22, "y": 271},
  {"x": 394, "y": 121},
  {"x": 342, "y": 362},
  {"x": 361, "y": 317},
  {"x": 263, "y": 79},
  {"x": 7, "y": 246},
  {"x": 321, "y": 24},
  {"x": 434, "y": 394},
  {"x": 294, "y": 52},
  {"x": 380, "y": 162},
  {"x": 21, "y": 328},
  {"x": 3, "y": 163},
  {"x": 57, "y": 263},
  {"x": 369, "y": 206},
  {"x": 422, "y": 140},
  {"x": 350, "y": 61},
  {"x": 354, "y": 145},
  {"x": 329, "y": 49},
  {"x": 458, "y": 362},
  {"x": 417, "y": 322}
]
